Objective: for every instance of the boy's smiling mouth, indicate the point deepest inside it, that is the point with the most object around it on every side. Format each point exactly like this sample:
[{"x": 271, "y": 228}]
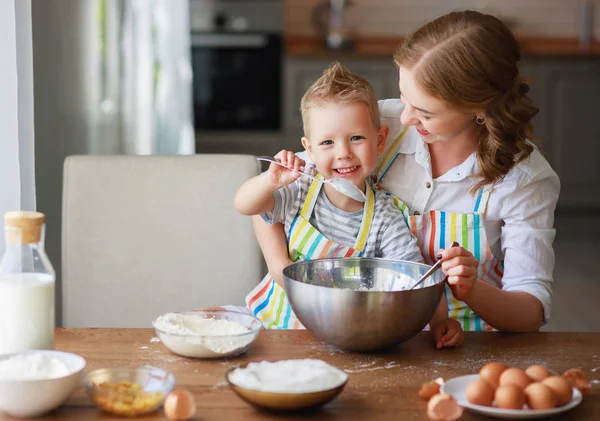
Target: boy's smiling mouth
[{"x": 346, "y": 170}]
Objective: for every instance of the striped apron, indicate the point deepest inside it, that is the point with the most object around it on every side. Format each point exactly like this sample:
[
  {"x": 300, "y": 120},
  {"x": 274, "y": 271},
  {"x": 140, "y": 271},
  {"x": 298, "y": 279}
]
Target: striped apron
[
  {"x": 268, "y": 300},
  {"x": 438, "y": 229}
]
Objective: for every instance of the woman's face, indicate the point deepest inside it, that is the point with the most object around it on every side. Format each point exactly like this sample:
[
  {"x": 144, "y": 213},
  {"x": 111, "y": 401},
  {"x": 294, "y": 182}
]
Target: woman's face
[{"x": 434, "y": 120}]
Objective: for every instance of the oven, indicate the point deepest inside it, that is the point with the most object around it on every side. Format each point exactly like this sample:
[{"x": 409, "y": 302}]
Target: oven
[{"x": 237, "y": 65}]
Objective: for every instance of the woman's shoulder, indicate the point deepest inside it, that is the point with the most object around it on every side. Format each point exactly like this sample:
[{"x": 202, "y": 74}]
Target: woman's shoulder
[
  {"x": 530, "y": 185},
  {"x": 531, "y": 169}
]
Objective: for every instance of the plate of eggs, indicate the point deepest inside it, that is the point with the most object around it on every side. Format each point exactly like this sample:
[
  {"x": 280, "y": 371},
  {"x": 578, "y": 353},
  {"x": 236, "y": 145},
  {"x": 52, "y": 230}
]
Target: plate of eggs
[{"x": 510, "y": 392}]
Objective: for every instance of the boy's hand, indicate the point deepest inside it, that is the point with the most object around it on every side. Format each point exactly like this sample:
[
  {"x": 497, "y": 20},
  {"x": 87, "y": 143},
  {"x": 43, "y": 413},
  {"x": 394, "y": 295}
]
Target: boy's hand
[
  {"x": 284, "y": 176},
  {"x": 447, "y": 332},
  {"x": 460, "y": 266}
]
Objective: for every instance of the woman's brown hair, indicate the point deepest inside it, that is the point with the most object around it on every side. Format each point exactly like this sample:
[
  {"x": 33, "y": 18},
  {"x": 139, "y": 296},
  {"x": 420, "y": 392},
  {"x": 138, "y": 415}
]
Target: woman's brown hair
[{"x": 470, "y": 61}]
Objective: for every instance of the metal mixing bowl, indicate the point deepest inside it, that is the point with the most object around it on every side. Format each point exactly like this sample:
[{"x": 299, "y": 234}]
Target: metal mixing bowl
[{"x": 362, "y": 304}]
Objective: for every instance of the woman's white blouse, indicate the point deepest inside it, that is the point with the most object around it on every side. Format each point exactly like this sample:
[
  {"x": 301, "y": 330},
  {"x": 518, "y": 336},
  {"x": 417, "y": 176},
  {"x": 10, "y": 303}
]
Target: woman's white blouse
[{"x": 520, "y": 214}]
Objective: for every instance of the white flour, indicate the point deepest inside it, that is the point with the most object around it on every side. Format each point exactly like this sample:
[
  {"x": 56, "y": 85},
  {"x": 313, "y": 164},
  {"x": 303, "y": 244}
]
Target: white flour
[
  {"x": 32, "y": 367},
  {"x": 289, "y": 376},
  {"x": 192, "y": 335}
]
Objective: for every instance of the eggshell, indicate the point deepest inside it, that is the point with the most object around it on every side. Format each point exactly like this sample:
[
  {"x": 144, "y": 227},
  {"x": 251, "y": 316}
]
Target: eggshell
[
  {"x": 491, "y": 373},
  {"x": 537, "y": 373},
  {"x": 514, "y": 376},
  {"x": 443, "y": 407},
  {"x": 480, "y": 392},
  {"x": 561, "y": 388},
  {"x": 429, "y": 389},
  {"x": 180, "y": 405},
  {"x": 540, "y": 396},
  {"x": 509, "y": 396},
  {"x": 578, "y": 379}
]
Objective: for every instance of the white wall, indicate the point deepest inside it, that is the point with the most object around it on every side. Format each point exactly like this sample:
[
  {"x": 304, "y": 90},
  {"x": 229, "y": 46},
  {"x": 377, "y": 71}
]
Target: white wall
[{"x": 17, "y": 187}]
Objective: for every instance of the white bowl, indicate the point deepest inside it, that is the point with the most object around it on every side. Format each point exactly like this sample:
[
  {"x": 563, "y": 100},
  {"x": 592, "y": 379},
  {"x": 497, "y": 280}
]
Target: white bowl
[
  {"x": 212, "y": 346},
  {"x": 33, "y": 397}
]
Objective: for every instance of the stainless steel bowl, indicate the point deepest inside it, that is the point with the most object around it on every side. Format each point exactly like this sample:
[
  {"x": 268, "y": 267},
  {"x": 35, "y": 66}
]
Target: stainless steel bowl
[{"x": 362, "y": 304}]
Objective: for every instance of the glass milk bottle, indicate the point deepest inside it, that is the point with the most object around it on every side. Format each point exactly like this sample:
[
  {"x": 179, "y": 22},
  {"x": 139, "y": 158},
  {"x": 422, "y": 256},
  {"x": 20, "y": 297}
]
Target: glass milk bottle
[{"x": 26, "y": 286}]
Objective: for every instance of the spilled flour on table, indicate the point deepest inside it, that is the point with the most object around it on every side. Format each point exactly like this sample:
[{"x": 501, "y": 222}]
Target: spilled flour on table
[
  {"x": 595, "y": 369},
  {"x": 367, "y": 367},
  {"x": 154, "y": 340},
  {"x": 144, "y": 347}
]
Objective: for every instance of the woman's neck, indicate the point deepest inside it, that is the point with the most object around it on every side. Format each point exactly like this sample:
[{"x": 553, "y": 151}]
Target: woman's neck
[{"x": 449, "y": 154}]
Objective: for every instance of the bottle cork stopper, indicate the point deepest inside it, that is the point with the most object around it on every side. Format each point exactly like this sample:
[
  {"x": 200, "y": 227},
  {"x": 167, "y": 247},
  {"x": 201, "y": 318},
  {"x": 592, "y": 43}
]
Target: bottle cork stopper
[{"x": 24, "y": 226}]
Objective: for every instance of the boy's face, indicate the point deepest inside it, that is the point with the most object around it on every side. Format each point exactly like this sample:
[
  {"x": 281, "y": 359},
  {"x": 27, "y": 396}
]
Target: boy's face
[{"x": 343, "y": 142}]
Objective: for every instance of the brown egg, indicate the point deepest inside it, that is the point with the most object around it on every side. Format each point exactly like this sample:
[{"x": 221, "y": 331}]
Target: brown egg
[
  {"x": 509, "y": 397},
  {"x": 480, "y": 392},
  {"x": 514, "y": 376},
  {"x": 578, "y": 379},
  {"x": 537, "y": 373},
  {"x": 540, "y": 396},
  {"x": 443, "y": 407},
  {"x": 561, "y": 388},
  {"x": 491, "y": 373},
  {"x": 180, "y": 405}
]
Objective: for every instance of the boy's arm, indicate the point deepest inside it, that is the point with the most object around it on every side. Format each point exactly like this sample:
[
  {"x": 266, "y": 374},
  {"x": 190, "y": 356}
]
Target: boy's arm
[
  {"x": 255, "y": 196},
  {"x": 441, "y": 312}
]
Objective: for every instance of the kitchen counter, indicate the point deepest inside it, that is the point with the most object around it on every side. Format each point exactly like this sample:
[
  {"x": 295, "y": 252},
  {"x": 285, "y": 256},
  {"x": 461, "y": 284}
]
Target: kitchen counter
[
  {"x": 381, "y": 386},
  {"x": 306, "y": 46}
]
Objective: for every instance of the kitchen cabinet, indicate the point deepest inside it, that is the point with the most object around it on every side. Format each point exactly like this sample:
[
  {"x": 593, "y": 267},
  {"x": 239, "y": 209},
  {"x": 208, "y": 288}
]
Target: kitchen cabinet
[{"x": 567, "y": 91}]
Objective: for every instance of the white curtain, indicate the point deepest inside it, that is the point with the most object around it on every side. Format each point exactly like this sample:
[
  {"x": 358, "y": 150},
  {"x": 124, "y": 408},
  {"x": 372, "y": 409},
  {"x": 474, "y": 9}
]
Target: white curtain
[
  {"x": 145, "y": 79},
  {"x": 17, "y": 187}
]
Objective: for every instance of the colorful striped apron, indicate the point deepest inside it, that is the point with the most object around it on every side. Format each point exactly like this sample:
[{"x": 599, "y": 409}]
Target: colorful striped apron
[
  {"x": 438, "y": 229},
  {"x": 268, "y": 300}
]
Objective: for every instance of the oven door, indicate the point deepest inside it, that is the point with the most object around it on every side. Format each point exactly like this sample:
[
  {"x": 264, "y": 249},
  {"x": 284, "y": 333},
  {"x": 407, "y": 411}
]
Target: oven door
[{"x": 237, "y": 81}]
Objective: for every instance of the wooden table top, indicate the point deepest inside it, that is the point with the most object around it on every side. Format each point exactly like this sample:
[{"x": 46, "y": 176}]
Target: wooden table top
[{"x": 382, "y": 386}]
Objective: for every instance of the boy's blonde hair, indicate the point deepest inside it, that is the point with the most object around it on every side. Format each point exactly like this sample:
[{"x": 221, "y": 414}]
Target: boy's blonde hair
[{"x": 339, "y": 85}]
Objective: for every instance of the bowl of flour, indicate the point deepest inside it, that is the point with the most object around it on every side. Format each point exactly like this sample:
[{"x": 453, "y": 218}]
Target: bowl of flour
[
  {"x": 287, "y": 385},
  {"x": 207, "y": 334},
  {"x": 38, "y": 381}
]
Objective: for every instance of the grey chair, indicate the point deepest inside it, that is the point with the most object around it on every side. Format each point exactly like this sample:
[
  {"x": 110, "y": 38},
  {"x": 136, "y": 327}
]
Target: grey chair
[{"x": 146, "y": 235}]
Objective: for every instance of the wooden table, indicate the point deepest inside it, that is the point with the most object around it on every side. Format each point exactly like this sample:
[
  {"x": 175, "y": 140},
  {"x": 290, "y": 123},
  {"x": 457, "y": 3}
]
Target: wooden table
[{"x": 382, "y": 386}]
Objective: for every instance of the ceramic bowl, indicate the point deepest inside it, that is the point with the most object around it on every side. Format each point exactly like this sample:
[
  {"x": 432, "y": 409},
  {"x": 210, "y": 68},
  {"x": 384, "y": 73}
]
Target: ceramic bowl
[
  {"x": 212, "y": 346},
  {"x": 129, "y": 391},
  {"x": 293, "y": 401},
  {"x": 34, "y": 397}
]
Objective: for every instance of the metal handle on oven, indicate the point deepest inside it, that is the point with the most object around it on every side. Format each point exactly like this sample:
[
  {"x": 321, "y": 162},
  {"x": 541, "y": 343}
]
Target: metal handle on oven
[{"x": 229, "y": 40}]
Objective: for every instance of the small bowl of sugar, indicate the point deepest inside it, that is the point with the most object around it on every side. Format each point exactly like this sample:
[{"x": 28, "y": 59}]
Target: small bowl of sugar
[
  {"x": 207, "y": 334},
  {"x": 37, "y": 381},
  {"x": 287, "y": 385}
]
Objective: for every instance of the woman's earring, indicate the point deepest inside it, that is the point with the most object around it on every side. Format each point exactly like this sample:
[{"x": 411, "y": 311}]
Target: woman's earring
[{"x": 480, "y": 120}]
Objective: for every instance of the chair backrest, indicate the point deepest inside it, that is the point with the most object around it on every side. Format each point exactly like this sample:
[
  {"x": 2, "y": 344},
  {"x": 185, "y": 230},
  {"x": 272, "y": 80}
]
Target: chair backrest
[{"x": 146, "y": 235}]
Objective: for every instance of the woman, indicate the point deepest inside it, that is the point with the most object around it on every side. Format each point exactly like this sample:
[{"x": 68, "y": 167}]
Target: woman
[{"x": 460, "y": 160}]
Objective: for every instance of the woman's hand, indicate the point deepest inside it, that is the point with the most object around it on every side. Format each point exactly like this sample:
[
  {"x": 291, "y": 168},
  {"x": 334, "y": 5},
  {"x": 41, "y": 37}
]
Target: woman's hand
[
  {"x": 460, "y": 266},
  {"x": 284, "y": 176},
  {"x": 447, "y": 332}
]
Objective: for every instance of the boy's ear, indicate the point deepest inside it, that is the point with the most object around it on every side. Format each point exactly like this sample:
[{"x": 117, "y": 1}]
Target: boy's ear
[
  {"x": 307, "y": 146},
  {"x": 382, "y": 138}
]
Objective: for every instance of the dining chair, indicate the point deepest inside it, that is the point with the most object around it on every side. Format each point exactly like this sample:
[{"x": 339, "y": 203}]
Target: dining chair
[{"x": 147, "y": 235}]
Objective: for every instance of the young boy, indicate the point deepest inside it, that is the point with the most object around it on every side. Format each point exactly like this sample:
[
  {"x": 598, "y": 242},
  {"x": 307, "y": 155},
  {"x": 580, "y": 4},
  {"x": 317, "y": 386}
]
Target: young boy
[{"x": 343, "y": 138}]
